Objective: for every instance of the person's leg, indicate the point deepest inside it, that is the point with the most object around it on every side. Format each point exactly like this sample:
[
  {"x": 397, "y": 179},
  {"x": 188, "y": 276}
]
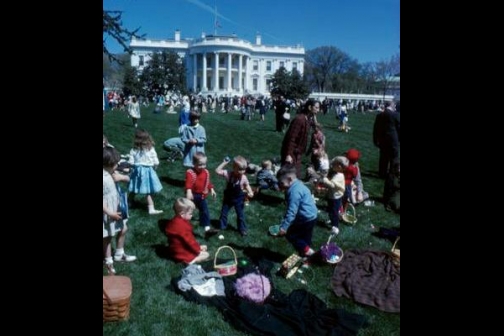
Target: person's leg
[
  {"x": 224, "y": 215},
  {"x": 300, "y": 236},
  {"x": 107, "y": 251},
  {"x": 333, "y": 206},
  {"x": 202, "y": 256},
  {"x": 240, "y": 216},
  {"x": 150, "y": 206},
  {"x": 383, "y": 162},
  {"x": 202, "y": 206},
  {"x": 119, "y": 252}
]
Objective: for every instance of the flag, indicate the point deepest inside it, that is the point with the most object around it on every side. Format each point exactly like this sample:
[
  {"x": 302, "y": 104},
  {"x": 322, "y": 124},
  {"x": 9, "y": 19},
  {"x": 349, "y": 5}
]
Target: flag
[{"x": 217, "y": 24}]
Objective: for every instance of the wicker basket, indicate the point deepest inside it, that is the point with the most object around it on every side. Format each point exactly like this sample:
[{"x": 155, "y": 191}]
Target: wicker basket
[
  {"x": 116, "y": 298},
  {"x": 349, "y": 215},
  {"x": 339, "y": 252},
  {"x": 396, "y": 253},
  {"x": 228, "y": 268}
]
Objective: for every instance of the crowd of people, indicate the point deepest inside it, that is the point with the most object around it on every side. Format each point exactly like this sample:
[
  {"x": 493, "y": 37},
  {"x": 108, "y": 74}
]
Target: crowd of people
[{"x": 303, "y": 136}]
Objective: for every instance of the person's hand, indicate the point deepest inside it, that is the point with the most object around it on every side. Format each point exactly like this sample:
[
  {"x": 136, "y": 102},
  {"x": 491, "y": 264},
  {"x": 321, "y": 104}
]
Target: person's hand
[
  {"x": 115, "y": 216},
  {"x": 359, "y": 197},
  {"x": 189, "y": 195},
  {"x": 282, "y": 232},
  {"x": 213, "y": 193},
  {"x": 203, "y": 248},
  {"x": 288, "y": 159}
]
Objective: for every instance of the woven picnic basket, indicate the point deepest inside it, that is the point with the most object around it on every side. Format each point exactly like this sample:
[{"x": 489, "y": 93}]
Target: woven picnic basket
[
  {"x": 116, "y": 298},
  {"x": 349, "y": 215},
  {"x": 229, "y": 267}
]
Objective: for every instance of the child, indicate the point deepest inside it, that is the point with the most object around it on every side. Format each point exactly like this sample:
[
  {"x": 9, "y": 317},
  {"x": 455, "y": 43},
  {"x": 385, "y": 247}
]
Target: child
[
  {"x": 336, "y": 185},
  {"x": 144, "y": 160},
  {"x": 113, "y": 224},
  {"x": 313, "y": 175},
  {"x": 301, "y": 214},
  {"x": 358, "y": 194},
  {"x": 182, "y": 244},
  {"x": 234, "y": 194},
  {"x": 317, "y": 143},
  {"x": 198, "y": 185},
  {"x": 134, "y": 110},
  {"x": 266, "y": 179},
  {"x": 194, "y": 138}
]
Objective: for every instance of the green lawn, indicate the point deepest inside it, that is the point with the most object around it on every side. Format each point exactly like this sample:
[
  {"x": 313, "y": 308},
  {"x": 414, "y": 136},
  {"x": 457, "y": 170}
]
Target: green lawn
[{"x": 155, "y": 310}]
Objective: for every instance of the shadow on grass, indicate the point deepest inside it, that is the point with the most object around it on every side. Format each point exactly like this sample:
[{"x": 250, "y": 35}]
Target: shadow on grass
[
  {"x": 161, "y": 251},
  {"x": 267, "y": 199},
  {"x": 255, "y": 254},
  {"x": 173, "y": 182}
]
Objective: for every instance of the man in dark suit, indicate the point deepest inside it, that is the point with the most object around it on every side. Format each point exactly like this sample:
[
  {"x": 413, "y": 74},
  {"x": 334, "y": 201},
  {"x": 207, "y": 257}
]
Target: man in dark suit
[{"x": 386, "y": 136}]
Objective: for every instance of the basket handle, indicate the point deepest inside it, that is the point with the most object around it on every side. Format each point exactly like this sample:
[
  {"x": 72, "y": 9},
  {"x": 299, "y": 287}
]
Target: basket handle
[
  {"x": 330, "y": 237},
  {"x": 352, "y": 207},
  {"x": 219, "y": 249},
  {"x": 393, "y": 246}
]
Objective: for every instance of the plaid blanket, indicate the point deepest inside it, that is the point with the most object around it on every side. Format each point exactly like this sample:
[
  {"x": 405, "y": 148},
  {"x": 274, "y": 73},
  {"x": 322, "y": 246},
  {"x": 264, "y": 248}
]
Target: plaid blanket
[{"x": 370, "y": 278}]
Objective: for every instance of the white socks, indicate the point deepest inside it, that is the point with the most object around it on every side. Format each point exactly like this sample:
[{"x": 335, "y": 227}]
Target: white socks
[
  {"x": 153, "y": 211},
  {"x": 119, "y": 252},
  {"x": 309, "y": 252},
  {"x": 109, "y": 261}
]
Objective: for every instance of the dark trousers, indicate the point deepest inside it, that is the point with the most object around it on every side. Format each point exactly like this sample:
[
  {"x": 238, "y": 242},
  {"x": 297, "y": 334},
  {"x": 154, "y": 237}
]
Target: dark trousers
[
  {"x": 333, "y": 206},
  {"x": 239, "y": 205},
  {"x": 300, "y": 235},
  {"x": 387, "y": 156},
  {"x": 202, "y": 206}
]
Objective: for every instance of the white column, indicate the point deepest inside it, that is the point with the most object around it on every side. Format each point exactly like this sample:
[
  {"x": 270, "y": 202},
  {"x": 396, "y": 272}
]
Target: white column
[
  {"x": 195, "y": 71},
  {"x": 204, "y": 85},
  {"x": 260, "y": 79},
  {"x": 229, "y": 73},
  {"x": 240, "y": 88},
  {"x": 216, "y": 71},
  {"x": 247, "y": 71}
]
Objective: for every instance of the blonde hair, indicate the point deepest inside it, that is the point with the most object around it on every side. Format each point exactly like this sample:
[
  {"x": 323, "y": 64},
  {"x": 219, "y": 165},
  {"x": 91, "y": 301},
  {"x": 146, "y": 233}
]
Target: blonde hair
[
  {"x": 182, "y": 205},
  {"x": 266, "y": 164},
  {"x": 198, "y": 157},
  {"x": 340, "y": 161},
  {"x": 240, "y": 162}
]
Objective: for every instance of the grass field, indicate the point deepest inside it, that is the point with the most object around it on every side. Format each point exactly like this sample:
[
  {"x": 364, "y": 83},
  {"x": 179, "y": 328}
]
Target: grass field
[{"x": 156, "y": 310}]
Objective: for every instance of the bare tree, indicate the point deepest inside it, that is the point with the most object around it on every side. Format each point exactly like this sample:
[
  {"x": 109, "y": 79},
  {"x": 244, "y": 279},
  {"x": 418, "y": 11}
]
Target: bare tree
[
  {"x": 112, "y": 27},
  {"x": 386, "y": 70},
  {"x": 322, "y": 63}
]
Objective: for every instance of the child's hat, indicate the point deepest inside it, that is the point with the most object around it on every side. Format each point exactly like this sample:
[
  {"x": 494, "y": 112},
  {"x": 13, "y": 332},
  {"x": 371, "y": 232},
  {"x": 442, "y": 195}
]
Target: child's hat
[{"x": 353, "y": 155}]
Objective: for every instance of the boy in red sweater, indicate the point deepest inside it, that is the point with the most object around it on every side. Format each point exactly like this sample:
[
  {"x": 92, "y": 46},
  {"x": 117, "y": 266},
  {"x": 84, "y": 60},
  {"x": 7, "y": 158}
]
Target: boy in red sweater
[
  {"x": 197, "y": 186},
  {"x": 182, "y": 245}
]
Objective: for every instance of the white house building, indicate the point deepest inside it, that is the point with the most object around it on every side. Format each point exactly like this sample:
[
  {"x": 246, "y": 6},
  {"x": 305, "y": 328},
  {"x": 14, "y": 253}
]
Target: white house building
[{"x": 221, "y": 65}]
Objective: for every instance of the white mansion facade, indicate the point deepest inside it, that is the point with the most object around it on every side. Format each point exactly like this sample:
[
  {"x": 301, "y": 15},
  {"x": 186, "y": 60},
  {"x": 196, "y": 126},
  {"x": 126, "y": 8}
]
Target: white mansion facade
[{"x": 223, "y": 64}]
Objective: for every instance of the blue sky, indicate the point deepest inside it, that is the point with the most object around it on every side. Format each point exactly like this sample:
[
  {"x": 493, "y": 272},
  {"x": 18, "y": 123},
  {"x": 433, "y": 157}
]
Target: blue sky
[{"x": 367, "y": 30}]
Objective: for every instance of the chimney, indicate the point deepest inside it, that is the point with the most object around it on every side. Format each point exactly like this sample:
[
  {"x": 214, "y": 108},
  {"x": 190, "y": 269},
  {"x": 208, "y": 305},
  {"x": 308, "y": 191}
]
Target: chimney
[
  {"x": 258, "y": 39},
  {"x": 177, "y": 35}
]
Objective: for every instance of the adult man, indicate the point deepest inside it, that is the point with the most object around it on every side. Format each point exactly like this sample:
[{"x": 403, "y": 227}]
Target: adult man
[{"x": 386, "y": 136}]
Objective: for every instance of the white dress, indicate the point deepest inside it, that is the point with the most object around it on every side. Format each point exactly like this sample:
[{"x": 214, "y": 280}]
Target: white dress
[
  {"x": 111, "y": 200},
  {"x": 134, "y": 110}
]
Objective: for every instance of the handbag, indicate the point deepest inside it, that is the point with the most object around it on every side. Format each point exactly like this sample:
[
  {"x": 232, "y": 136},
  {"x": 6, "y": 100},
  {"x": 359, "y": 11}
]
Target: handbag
[{"x": 123, "y": 202}]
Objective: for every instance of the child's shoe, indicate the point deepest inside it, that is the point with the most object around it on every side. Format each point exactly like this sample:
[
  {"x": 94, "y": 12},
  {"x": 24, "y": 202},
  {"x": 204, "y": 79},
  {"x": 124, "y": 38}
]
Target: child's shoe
[
  {"x": 110, "y": 268},
  {"x": 124, "y": 257}
]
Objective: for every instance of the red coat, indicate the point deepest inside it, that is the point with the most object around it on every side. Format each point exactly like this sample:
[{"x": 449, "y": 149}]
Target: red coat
[{"x": 182, "y": 244}]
